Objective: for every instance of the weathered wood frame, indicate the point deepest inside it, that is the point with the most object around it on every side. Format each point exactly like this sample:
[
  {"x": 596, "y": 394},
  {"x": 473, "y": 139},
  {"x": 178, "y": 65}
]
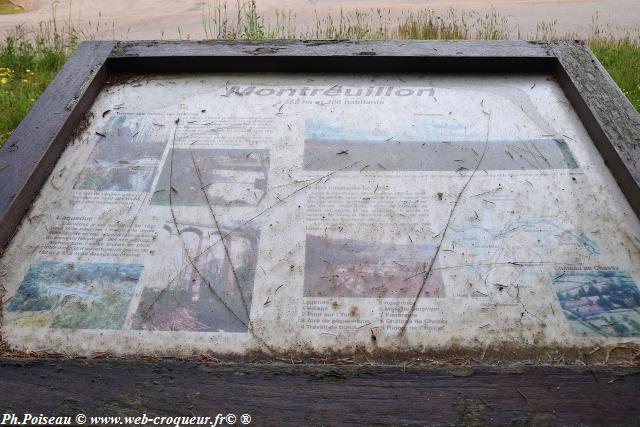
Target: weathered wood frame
[{"x": 30, "y": 154}]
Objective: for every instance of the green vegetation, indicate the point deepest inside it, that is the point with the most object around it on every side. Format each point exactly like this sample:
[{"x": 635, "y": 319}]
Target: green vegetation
[
  {"x": 621, "y": 58},
  {"x": 28, "y": 62},
  {"x": 30, "y": 59},
  {"x": 7, "y": 8}
]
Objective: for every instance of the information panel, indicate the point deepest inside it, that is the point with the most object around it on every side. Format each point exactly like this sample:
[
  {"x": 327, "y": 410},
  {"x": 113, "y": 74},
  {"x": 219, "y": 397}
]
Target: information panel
[{"x": 311, "y": 213}]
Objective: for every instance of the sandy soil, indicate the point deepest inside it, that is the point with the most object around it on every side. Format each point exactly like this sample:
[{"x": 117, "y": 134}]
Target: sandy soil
[{"x": 149, "y": 19}]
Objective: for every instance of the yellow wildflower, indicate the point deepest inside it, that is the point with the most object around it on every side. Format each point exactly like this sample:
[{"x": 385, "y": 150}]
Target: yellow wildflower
[
  {"x": 25, "y": 81},
  {"x": 3, "y": 81}
]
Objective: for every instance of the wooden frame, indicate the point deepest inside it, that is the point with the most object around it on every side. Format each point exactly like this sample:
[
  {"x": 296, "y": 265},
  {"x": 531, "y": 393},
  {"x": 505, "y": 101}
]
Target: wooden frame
[
  {"x": 285, "y": 394},
  {"x": 318, "y": 393}
]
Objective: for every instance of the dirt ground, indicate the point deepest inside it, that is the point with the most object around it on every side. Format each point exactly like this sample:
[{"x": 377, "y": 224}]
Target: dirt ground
[{"x": 153, "y": 19}]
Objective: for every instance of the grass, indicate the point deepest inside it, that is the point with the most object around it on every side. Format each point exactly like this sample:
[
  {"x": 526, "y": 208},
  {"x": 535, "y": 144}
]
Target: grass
[
  {"x": 8, "y": 8},
  {"x": 30, "y": 58},
  {"x": 621, "y": 58},
  {"x": 27, "y": 65}
]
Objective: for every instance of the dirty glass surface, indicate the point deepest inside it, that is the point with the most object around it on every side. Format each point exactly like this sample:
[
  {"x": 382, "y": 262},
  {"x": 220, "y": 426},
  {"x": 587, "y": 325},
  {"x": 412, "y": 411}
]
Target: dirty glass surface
[{"x": 309, "y": 213}]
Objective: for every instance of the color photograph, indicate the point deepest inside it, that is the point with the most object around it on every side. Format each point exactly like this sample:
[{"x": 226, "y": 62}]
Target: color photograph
[
  {"x": 234, "y": 177},
  {"x": 433, "y": 145},
  {"x": 212, "y": 291},
  {"x": 126, "y": 155},
  {"x": 605, "y": 303},
  {"x": 82, "y": 295},
  {"x": 355, "y": 268}
]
